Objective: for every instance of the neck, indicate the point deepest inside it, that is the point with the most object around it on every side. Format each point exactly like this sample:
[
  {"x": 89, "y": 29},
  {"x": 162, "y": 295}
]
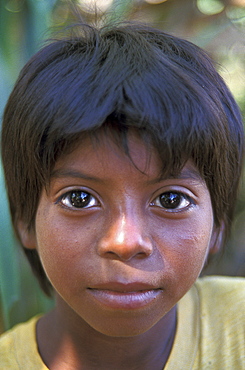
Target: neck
[{"x": 63, "y": 344}]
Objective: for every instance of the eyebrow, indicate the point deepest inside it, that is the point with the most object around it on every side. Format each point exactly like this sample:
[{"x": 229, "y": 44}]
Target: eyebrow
[
  {"x": 63, "y": 173},
  {"x": 189, "y": 174},
  {"x": 183, "y": 175}
]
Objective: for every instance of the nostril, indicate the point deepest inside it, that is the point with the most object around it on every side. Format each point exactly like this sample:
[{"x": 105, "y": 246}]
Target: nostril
[
  {"x": 125, "y": 257},
  {"x": 125, "y": 251},
  {"x": 142, "y": 255}
]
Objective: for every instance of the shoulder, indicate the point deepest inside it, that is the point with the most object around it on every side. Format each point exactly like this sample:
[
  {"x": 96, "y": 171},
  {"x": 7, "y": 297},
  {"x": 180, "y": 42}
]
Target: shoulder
[
  {"x": 222, "y": 290},
  {"x": 210, "y": 330},
  {"x": 18, "y": 347},
  {"x": 223, "y": 283},
  {"x": 222, "y": 297},
  {"x": 222, "y": 321}
]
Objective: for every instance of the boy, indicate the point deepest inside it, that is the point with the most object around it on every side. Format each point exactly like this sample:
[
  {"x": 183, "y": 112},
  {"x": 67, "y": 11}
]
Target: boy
[{"x": 122, "y": 149}]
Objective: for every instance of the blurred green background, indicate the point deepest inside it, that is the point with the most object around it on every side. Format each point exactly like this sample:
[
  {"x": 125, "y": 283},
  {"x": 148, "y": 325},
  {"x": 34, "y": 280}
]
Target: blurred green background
[{"x": 216, "y": 25}]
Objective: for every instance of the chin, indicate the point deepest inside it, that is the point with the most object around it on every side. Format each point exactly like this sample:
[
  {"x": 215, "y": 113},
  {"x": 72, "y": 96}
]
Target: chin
[{"x": 127, "y": 326}]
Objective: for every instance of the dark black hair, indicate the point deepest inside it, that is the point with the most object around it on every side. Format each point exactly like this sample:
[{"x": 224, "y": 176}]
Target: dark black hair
[{"x": 120, "y": 77}]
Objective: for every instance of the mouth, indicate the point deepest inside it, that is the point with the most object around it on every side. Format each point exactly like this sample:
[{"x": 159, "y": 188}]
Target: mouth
[{"x": 124, "y": 296}]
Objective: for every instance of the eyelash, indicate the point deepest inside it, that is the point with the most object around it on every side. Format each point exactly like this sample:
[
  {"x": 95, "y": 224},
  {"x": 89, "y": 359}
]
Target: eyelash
[
  {"x": 81, "y": 196},
  {"x": 174, "y": 200}
]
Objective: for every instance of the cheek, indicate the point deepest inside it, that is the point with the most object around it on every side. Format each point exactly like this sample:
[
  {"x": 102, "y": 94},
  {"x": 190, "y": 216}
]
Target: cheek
[
  {"x": 62, "y": 250},
  {"x": 193, "y": 250},
  {"x": 185, "y": 250},
  {"x": 67, "y": 249}
]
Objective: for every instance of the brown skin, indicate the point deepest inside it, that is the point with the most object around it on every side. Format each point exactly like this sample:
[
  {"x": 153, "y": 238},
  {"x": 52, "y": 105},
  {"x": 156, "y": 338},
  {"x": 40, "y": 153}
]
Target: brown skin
[{"x": 120, "y": 264}]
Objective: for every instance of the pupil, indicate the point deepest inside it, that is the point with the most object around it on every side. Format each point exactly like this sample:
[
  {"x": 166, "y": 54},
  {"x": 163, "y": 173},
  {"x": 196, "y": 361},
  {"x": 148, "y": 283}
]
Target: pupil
[
  {"x": 80, "y": 199},
  {"x": 170, "y": 200}
]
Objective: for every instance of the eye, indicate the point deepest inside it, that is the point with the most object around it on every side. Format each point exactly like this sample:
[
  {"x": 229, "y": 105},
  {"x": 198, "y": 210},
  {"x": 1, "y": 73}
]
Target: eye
[
  {"x": 78, "y": 199},
  {"x": 172, "y": 201}
]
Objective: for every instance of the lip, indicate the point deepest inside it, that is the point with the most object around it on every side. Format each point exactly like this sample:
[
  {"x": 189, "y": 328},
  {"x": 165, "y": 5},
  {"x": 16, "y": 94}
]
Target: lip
[{"x": 129, "y": 296}]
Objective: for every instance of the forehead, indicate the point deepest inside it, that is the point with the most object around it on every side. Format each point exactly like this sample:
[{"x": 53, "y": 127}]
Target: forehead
[
  {"x": 103, "y": 146},
  {"x": 103, "y": 153}
]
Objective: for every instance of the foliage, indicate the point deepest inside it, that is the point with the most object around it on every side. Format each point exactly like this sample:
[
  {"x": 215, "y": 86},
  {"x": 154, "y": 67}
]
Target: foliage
[{"x": 216, "y": 25}]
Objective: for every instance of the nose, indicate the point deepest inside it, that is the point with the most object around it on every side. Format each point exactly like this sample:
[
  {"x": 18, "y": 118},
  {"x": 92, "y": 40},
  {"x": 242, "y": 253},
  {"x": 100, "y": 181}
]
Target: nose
[{"x": 125, "y": 239}]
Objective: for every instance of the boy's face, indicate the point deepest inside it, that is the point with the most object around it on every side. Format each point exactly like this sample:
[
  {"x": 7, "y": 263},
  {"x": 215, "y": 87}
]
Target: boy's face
[{"x": 120, "y": 245}]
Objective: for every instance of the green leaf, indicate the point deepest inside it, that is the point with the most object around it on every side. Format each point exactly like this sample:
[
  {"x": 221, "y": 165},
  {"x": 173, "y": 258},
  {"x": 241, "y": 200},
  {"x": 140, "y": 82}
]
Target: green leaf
[{"x": 119, "y": 10}]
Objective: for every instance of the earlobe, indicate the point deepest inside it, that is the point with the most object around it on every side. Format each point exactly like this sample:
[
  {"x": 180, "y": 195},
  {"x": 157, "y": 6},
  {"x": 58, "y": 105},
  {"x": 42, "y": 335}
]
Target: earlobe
[
  {"x": 217, "y": 239},
  {"x": 27, "y": 236}
]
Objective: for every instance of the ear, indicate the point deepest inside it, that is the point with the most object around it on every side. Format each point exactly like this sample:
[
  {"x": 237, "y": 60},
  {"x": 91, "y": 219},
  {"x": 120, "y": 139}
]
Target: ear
[
  {"x": 217, "y": 239},
  {"x": 27, "y": 236}
]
